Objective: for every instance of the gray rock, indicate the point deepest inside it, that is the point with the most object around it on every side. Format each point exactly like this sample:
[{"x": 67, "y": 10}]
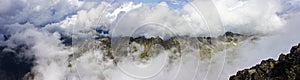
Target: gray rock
[{"x": 287, "y": 67}]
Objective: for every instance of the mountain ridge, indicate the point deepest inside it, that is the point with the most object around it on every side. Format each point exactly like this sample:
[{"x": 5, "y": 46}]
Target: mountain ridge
[{"x": 287, "y": 67}]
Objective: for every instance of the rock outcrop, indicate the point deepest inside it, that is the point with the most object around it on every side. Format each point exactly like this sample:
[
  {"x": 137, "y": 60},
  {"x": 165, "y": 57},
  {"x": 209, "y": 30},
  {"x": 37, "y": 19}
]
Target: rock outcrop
[
  {"x": 148, "y": 47},
  {"x": 287, "y": 67}
]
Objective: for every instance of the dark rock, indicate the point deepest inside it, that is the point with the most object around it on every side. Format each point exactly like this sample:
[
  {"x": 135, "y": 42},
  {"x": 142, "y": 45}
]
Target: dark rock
[
  {"x": 6, "y": 37},
  {"x": 287, "y": 67},
  {"x": 67, "y": 41},
  {"x": 12, "y": 65}
]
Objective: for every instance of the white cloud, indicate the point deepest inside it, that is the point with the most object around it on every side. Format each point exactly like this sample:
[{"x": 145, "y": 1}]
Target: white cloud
[
  {"x": 251, "y": 16},
  {"x": 6, "y": 4},
  {"x": 36, "y": 12},
  {"x": 78, "y": 18}
]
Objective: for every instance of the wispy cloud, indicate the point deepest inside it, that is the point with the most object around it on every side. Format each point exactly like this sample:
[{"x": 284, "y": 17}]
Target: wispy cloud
[{"x": 41, "y": 24}]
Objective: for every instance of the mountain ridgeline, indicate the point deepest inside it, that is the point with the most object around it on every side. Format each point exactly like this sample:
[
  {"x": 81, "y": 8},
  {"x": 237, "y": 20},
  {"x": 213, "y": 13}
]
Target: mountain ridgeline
[
  {"x": 135, "y": 48},
  {"x": 151, "y": 47},
  {"x": 287, "y": 67}
]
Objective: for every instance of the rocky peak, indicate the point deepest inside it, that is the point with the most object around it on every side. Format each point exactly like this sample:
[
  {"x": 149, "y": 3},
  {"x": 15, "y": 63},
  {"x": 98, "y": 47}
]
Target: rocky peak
[
  {"x": 149, "y": 47},
  {"x": 287, "y": 67}
]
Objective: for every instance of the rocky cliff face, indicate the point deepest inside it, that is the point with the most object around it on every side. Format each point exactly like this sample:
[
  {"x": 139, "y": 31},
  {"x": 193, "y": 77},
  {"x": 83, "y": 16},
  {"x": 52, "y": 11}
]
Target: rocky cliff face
[
  {"x": 287, "y": 67},
  {"x": 143, "y": 48}
]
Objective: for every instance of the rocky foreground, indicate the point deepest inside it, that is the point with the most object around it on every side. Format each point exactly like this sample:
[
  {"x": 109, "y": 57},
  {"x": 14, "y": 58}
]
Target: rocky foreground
[{"x": 287, "y": 67}]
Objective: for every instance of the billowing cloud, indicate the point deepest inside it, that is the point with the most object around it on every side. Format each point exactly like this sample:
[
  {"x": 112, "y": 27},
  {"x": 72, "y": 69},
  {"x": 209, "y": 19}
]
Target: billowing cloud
[{"x": 41, "y": 24}]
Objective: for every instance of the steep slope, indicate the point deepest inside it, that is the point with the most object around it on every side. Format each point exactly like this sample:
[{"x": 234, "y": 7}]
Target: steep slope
[{"x": 287, "y": 67}]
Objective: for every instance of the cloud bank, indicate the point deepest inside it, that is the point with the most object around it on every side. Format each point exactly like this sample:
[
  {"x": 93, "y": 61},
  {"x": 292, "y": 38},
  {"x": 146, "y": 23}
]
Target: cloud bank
[{"x": 41, "y": 24}]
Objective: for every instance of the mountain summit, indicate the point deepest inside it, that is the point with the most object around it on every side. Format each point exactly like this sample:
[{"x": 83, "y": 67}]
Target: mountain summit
[{"x": 287, "y": 67}]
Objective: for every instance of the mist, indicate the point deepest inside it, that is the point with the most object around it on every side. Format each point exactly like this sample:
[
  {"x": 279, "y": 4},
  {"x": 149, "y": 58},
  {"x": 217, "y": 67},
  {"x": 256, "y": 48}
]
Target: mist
[{"x": 41, "y": 25}]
